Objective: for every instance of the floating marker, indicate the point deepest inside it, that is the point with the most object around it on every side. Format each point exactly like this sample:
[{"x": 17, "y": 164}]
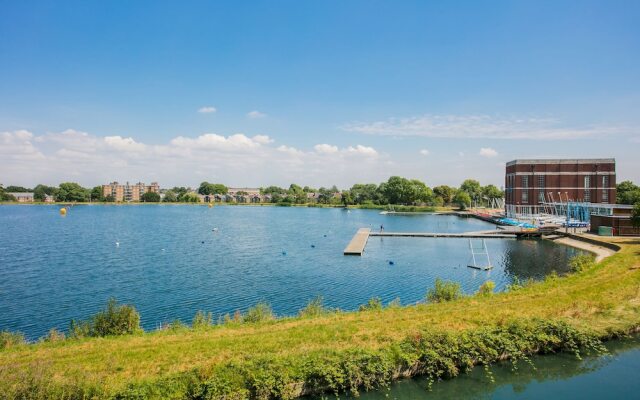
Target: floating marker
[
  {"x": 391, "y": 263},
  {"x": 325, "y": 235},
  {"x": 63, "y": 211},
  {"x": 284, "y": 253},
  {"x": 203, "y": 242},
  {"x": 313, "y": 246},
  {"x": 117, "y": 244}
]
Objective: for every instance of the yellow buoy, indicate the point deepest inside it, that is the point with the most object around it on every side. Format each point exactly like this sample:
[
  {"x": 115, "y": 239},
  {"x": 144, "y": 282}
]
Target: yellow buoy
[
  {"x": 210, "y": 205},
  {"x": 63, "y": 211}
]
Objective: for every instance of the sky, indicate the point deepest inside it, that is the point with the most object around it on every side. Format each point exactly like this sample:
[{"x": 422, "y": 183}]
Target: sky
[{"x": 259, "y": 93}]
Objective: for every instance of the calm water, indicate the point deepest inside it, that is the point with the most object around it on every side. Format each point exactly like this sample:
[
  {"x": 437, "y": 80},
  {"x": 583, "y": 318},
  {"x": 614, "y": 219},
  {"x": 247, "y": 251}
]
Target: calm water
[
  {"x": 169, "y": 263},
  {"x": 561, "y": 376}
]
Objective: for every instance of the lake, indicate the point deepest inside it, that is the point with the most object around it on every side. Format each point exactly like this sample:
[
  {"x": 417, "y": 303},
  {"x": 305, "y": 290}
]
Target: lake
[{"x": 169, "y": 262}]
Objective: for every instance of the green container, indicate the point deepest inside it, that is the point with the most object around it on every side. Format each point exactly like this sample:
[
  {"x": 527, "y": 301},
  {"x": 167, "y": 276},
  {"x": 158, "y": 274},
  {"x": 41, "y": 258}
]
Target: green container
[{"x": 605, "y": 231}]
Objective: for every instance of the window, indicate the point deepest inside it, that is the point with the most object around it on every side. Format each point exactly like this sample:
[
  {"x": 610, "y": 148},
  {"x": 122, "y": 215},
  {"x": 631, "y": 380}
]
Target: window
[
  {"x": 587, "y": 182},
  {"x": 605, "y": 189},
  {"x": 587, "y": 195},
  {"x": 540, "y": 196},
  {"x": 525, "y": 196},
  {"x": 541, "y": 181},
  {"x": 525, "y": 181}
]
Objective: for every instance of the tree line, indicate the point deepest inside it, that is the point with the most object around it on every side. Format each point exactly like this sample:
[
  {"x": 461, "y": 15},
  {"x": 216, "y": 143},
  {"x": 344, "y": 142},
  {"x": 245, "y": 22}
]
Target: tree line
[{"x": 396, "y": 190}]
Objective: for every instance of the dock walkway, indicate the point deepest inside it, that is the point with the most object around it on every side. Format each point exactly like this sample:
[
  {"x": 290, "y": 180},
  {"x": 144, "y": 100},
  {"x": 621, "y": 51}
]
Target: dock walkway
[
  {"x": 470, "y": 235},
  {"x": 358, "y": 243}
]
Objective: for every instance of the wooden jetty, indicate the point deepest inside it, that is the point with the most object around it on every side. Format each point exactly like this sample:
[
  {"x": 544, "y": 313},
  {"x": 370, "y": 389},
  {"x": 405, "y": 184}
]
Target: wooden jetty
[
  {"x": 358, "y": 243},
  {"x": 468, "y": 235},
  {"x": 359, "y": 240}
]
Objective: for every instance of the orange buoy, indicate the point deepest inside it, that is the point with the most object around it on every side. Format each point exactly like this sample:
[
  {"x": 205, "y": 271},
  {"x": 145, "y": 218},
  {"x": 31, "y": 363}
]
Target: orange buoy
[{"x": 63, "y": 211}]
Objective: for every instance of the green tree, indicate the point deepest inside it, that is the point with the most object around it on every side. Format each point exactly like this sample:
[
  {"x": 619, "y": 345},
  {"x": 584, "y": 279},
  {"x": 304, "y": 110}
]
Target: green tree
[
  {"x": 70, "y": 191},
  {"x": 17, "y": 189},
  {"x": 491, "y": 192},
  {"x": 627, "y": 193},
  {"x": 170, "y": 196},
  {"x": 635, "y": 215},
  {"x": 151, "y": 197},
  {"x": 472, "y": 188},
  {"x": 445, "y": 192},
  {"x": 462, "y": 199},
  {"x": 207, "y": 188},
  {"x": 298, "y": 194},
  {"x": 364, "y": 193},
  {"x": 40, "y": 192},
  {"x": 189, "y": 197},
  {"x": 96, "y": 194}
]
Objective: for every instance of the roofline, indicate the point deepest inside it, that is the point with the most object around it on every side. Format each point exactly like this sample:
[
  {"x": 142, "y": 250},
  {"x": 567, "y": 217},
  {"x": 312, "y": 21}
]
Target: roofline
[{"x": 562, "y": 161}]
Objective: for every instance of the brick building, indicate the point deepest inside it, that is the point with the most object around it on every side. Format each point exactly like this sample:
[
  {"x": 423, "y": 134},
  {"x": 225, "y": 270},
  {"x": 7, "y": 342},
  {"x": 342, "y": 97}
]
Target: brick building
[
  {"x": 129, "y": 192},
  {"x": 529, "y": 184}
]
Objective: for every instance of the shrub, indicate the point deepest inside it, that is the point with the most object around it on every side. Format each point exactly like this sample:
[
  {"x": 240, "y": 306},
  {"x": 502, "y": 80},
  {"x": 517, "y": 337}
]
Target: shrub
[
  {"x": 444, "y": 291},
  {"x": 313, "y": 308},
  {"x": 115, "y": 319},
  {"x": 202, "y": 320},
  {"x": 581, "y": 262},
  {"x": 374, "y": 304},
  {"x": 54, "y": 335},
  {"x": 395, "y": 303},
  {"x": 486, "y": 289},
  {"x": 260, "y": 312},
  {"x": 11, "y": 339}
]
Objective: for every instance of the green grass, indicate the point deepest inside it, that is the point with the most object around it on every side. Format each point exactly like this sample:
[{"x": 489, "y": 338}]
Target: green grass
[{"x": 337, "y": 351}]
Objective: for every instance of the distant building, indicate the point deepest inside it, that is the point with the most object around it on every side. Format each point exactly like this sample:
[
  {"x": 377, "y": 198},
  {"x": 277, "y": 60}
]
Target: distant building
[
  {"x": 129, "y": 192},
  {"x": 22, "y": 197},
  {"x": 531, "y": 185}
]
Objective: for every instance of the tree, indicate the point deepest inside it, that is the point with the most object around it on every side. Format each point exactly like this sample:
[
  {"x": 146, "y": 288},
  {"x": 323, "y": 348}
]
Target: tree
[
  {"x": 627, "y": 193},
  {"x": 472, "y": 188},
  {"x": 635, "y": 216},
  {"x": 491, "y": 192},
  {"x": 17, "y": 189},
  {"x": 207, "y": 188},
  {"x": 363, "y": 193},
  {"x": 151, "y": 197},
  {"x": 462, "y": 199},
  {"x": 170, "y": 197},
  {"x": 96, "y": 194},
  {"x": 40, "y": 192},
  {"x": 189, "y": 197},
  {"x": 4, "y": 196},
  {"x": 71, "y": 191},
  {"x": 445, "y": 192}
]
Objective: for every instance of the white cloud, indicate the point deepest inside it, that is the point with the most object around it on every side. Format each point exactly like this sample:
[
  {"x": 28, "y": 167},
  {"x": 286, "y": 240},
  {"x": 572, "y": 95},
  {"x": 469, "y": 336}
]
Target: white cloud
[
  {"x": 289, "y": 150},
  {"x": 362, "y": 150},
  {"x": 424, "y": 152},
  {"x": 487, "y": 152},
  {"x": 89, "y": 159},
  {"x": 123, "y": 144},
  {"x": 262, "y": 139},
  {"x": 17, "y": 145},
  {"x": 212, "y": 141},
  {"x": 480, "y": 126},
  {"x": 207, "y": 110},
  {"x": 256, "y": 114},
  {"x": 325, "y": 148}
]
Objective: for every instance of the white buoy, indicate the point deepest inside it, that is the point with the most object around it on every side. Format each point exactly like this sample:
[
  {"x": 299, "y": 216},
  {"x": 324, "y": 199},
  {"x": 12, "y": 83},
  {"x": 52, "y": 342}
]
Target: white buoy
[{"x": 117, "y": 244}]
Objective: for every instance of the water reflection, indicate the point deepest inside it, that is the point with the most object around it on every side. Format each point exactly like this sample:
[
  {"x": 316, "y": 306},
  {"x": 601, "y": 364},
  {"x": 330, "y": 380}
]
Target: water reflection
[{"x": 560, "y": 376}]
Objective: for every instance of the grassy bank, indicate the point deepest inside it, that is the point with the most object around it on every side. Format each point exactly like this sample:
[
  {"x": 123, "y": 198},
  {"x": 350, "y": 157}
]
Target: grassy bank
[{"x": 337, "y": 351}]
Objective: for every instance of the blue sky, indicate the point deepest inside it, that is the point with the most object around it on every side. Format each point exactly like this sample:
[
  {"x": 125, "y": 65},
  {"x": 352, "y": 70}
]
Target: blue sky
[{"x": 313, "y": 92}]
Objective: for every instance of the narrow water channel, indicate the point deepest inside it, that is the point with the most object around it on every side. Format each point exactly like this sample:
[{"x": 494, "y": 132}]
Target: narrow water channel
[{"x": 558, "y": 376}]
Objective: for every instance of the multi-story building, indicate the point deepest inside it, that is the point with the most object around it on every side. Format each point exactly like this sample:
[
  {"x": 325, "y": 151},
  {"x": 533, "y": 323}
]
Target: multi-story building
[
  {"x": 530, "y": 185},
  {"x": 128, "y": 192}
]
